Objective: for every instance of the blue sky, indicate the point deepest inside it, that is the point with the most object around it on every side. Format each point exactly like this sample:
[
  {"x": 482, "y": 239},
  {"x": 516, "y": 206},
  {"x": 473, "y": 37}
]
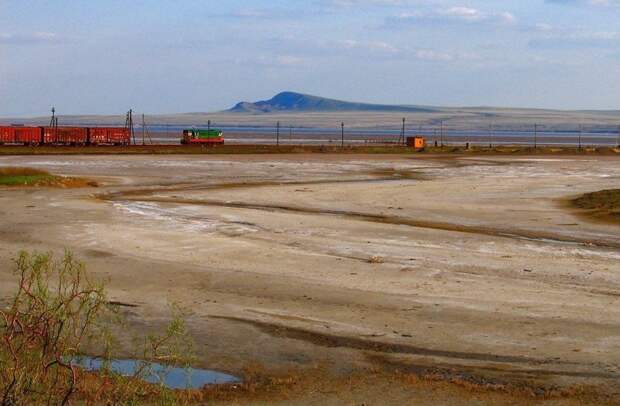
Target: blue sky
[{"x": 105, "y": 56}]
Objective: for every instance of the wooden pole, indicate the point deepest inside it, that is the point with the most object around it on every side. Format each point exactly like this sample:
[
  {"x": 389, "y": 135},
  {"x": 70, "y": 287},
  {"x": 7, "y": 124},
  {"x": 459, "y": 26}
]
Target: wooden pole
[
  {"x": 133, "y": 134},
  {"x": 143, "y": 129},
  {"x": 441, "y": 133}
]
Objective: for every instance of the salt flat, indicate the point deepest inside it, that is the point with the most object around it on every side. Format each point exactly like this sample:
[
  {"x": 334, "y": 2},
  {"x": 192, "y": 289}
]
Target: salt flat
[{"x": 353, "y": 261}]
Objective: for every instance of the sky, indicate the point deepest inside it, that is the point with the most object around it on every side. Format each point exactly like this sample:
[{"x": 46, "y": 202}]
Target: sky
[{"x": 156, "y": 56}]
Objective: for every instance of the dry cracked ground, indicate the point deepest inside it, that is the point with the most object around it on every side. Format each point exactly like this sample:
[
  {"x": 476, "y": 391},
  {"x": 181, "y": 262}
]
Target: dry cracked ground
[{"x": 469, "y": 266}]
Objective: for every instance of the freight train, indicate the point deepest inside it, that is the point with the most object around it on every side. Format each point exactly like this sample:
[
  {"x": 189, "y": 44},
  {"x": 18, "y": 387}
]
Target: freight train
[
  {"x": 77, "y": 136},
  {"x": 65, "y": 135}
]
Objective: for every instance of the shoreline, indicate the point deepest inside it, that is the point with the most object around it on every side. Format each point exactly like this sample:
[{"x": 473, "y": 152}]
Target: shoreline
[{"x": 173, "y": 149}]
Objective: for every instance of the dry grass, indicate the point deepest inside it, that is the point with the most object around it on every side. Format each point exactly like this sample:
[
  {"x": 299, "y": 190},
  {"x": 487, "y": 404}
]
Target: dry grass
[
  {"x": 317, "y": 385},
  {"x": 602, "y": 200},
  {"x": 601, "y": 205},
  {"x": 30, "y": 177},
  {"x": 18, "y": 171},
  {"x": 375, "y": 259}
]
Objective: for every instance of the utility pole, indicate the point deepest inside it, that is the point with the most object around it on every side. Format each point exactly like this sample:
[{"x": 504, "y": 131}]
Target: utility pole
[
  {"x": 208, "y": 126},
  {"x": 580, "y": 135},
  {"x": 54, "y": 125},
  {"x": 535, "y": 136},
  {"x": 342, "y": 134},
  {"x": 129, "y": 125},
  {"x": 402, "y": 133},
  {"x": 143, "y": 129},
  {"x": 278, "y": 133},
  {"x": 491, "y": 135},
  {"x": 290, "y": 133},
  {"x": 441, "y": 122}
]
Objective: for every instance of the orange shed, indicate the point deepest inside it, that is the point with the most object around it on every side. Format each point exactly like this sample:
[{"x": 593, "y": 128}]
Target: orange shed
[{"x": 416, "y": 142}]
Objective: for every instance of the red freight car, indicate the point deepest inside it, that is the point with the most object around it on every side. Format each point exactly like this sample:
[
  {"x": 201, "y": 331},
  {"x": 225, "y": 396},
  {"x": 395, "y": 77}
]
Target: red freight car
[
  {"x": 28, "y": 135},
  {"x": 109, "y": 135},
  {"x": 7, "y": 135},
  {"x": 21, "y": 135},
  {"x": 65, "y": 135}
]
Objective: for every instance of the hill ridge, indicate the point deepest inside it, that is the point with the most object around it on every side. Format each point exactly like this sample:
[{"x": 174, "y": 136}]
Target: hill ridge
[{"x": 300, "y": 102}]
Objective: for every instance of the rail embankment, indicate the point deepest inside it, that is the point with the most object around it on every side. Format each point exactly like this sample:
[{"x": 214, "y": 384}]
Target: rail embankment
[{"x": 161, "y": 149}]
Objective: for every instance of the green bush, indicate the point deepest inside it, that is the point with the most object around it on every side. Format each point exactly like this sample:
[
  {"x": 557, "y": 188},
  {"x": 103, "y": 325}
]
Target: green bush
[{"x": 57, "y": 312}]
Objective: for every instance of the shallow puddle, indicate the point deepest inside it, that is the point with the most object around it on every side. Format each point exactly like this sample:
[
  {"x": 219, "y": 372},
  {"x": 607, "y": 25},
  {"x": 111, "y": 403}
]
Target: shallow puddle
[{"x": 171, "y": 377}]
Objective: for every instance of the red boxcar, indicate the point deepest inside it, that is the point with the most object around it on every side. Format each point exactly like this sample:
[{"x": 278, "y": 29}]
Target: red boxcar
[
  {"x": 7, "y": 135},
  {"x": 109, "y": 135},
  {"x": 28, "y": 135},
  {"x": 65, "y": 135},
  {"x": 20, "y": 135}
]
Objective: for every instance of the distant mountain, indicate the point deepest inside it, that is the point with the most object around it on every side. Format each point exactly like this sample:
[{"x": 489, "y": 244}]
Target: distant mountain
[{"x": 298, "y": 102}]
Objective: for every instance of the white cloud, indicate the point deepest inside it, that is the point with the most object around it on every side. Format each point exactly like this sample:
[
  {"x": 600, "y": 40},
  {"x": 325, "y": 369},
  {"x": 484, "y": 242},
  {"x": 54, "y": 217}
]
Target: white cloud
[
  {"x": 28, "y": 38},
  {"x": 430, "y": 55},
  {"x": 288, "y": 60},
  {"x": 507, "y": 18},
  {"x": 463, "y": 13},
  {"x": 369, "y": 46},
  {"x": 596, "y": 3},
  {"x": 272, "y": 61},
  {"x": 390, "y": 51},
  {"x": 544, "y": 27},
  {"x": 250, "y": 13},
  {"x": 455, "y": 14},
  {"x": 352, "y": 3},
  {"x": 569, "y": 40},
  {"x": 605, "y": 3}
]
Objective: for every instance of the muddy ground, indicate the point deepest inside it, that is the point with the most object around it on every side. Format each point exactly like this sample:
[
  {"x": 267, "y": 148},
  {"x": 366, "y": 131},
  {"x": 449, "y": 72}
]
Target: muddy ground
[{"x": 467, "y": 267}]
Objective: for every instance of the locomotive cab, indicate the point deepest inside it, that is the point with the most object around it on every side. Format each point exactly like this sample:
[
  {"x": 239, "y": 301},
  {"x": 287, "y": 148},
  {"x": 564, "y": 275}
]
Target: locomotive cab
[{"x": 188, "y": 136}]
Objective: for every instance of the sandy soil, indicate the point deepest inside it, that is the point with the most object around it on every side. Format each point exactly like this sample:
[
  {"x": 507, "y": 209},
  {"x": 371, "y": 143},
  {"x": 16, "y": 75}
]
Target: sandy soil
[{"x": 464, "y": 265}]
